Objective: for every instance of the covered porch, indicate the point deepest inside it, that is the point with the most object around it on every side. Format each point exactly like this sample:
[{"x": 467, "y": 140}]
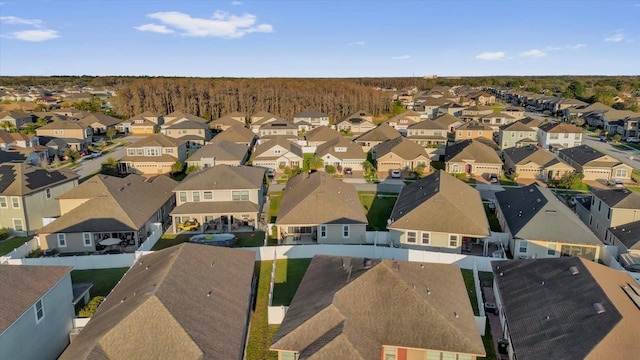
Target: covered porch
[{"x": 217, "y": 217}]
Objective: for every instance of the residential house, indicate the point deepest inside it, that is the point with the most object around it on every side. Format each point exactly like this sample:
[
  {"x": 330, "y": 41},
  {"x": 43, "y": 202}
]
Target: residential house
[
  {"x": 221, "y": 198},
  {"x": 105, "y": 207},
  {"x": 428, "y": 133},
  {"x": 100, "y": 123},
  {"x": 261, "y": 119},
  {"x": 315, "y": 207},
  {"x": 357, "y": 123},
  {"x": 515, "y": 135},
  {"x": 179, "y": 116},
  {"x": 144, "y": 123},
  {"x": 608, "y": 119},
  {"x": 473, "y": 158},
  {"x": 532, "y": 123},
  {"x": 310, "y": 119},
  {"x": 74, "y": 133},
  {"x": 236, "y": 134},
  {"x": 278, "y": 154},
  {"x": 563, "y": 103},
  {"x": 541, "y": 226},
  {"x": 532, "y": 162},
  {"x": 186, "y": 302},
  {"x": 9, "y": 140},
  {"x": 496, "y": 120},
  {"x": 449, "y": 121},
  {"x": 324, "y": 322},
  {"x": 451, "y": 108},
  {"x": 566, "y": 308},
  {"x": 402, "y": 121},
  {"x": 625, "y": 238},
  {"x": 153, "y": 155},
  {"x": 609, "y": 208},
  {"x": 473, "y": 130},
  {"x": 278, "y": 128},
  {"x": 553, "y": 135},
  {"x": 376, "y": 136},
  {"x": 28, "y": 194},
  {"x": 14, "y": 120},
  {"x": 400, "y": 154},
  {"x": 36, "y": 311},
  {"x": 342, "y": 153},
  {"x": 595, "y": 165},
  {"x": 227, "y": 121},
  {"x": 320, "y": 135},
  {"x": 260, "y": 115},
  {"x": 193, "y": 133},
  {"x": 71, "y": 113},
  {"x": 483, "y": 98},
  {"x": 516, "y": 112},
  {"x": 438, "y": 213},
  {"x": 578, "y": 111},
  {"x": 475, "y": 112},
  {"x": 219, "y": 153}
]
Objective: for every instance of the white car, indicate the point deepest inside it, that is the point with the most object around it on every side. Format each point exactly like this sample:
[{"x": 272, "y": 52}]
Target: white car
[
  {"x": 94, "y": 155},
  {"x": 271, "y": 172},
  {"x": 396, "y": 174},
  {"x": 633, "y": 140}
]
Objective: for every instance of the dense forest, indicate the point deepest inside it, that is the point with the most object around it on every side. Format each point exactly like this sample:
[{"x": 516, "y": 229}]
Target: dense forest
[{"x": 214, "y": 97}]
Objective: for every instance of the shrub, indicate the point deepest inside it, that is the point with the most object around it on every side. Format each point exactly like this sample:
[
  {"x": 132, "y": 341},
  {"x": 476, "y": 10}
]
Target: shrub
[
  {"x": 330, "y": 169},
  {"x": 4, "y": 234},
  {"x": 91, "y": 307},
  {"x": 35, "y": 253}
]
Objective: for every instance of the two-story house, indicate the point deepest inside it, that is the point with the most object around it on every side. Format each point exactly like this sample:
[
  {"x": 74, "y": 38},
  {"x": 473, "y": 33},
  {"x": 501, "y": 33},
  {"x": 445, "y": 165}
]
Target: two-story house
[
  {"x": 428, "y": 133},
  {"x": 357, "y": 123},
  {"x": 236, "y": 134},
  {"x": 278, "y": 154},
  {"x": 516, "y": 134},
  {"x": 439, "y": 213},
  {"x": 104, "y": 207},
  {"x": 100, "y": 123},
  {"x": 146, "y": 122},
  {"x": 219, "y": 153},
  {"x": 320, "y": 135},
  {"x": 263, "y": 118},
  {"x": 473, "y": 130},
  {"x": 553, "y": 135},
  {"x": 609, "y": 208},
  {"x": 278, "y": 128},
  {"x": 472, "y": 157},
  {"x": 221, "y": 198},
  {"x": 449, "y": 121},
  {"x": 595, "y": 165},
  {"x": 376, "y": 136},
  {"x": 402, "y": 121},
  {"x": 179, "y": 116},
  {"x": 193, "y": 133},
  {"x": 153, "y": 155},
  {"x": 224, "y": 122},
  {"x": 14, "y": 120},
  {"x": 260, "y": 115},
  {"x": 310, "y": 119},
  {"x": 475, "y": 112},
  {"x": 77, "y": 135},
  {"x": 496, "y": 120},
  {"x": 28, "y": 194}
]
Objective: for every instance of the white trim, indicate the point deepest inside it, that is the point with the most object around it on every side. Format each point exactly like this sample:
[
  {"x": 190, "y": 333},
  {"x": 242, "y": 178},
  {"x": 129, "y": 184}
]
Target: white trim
[
  {"x": 422, "y": 238},
  {"x": 457, "y": 239},
  {"x": 13, "y": 223},
  {"x": 323, "y": 229},
  {"x": 62, "y": 237},
  {"x": 35, "y": 310},
  {"x": 348, "y": 231},
  {"x": 12, "y": 203},
  {"x": 84, "y": 239},
  {"x": 47, "y": 193},
  {"x": 6, "y": 203}
]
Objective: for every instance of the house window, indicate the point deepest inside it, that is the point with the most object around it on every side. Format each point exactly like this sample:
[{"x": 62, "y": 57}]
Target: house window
[
  {"x": 599, "y": 205},
  {"x": 411, "y": 237},
  {"x": 553, "y": 136},
  {"x": 15, "y": 202},
  {"x": 389, "y": 353},
  {"x": 426, "y": 237},
  {"x": 345, "y": 231},
  {"x": 459, "y": 133},
  {"x": 455, "y": 168},
  {"x": 520, "y": 134},
  {"x": 240, "y": 195},
  {"x": 288, "y": 355},
  {"x": 131, "y": 152},
  {"x": 576, "y": 136},
  {"x": 590, "y": 219},
  {"x": 39, "y": 309},
  {"x": 86, "y": 239},
  {"x": 323, "y": 231},
  {"x": 169, "y": 150},
  {"x": 479, "y": 132},
  {"x": 208, "y": 195},
  {"x": 468, "y": 133},
  {"x": 453, "y": 240},
  {"x": 183, "y": 196},
  {"x": 140, "y": 152},
  {"x": 196, "y": 195},
  {"x": 47, "y": 193},
  {"x": 17, "y": 225},
  {"x": 3, "y": 202},
  {"x": 621, "y": 173},
  {"x": 551, "y": 249},
  {"x": 609, "y": 214},
  {"x": 513, "y": 134},
  {"x": 523, "y": 247},
  {"x": 62, "y": 240}
]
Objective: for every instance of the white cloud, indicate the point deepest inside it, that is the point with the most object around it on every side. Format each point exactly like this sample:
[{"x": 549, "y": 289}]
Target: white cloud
[
  {"x": 576, "y": 46},
  {"x": 236, "y": 3},
  {"x": 161, "y": 29},
  {"x": 535, "y": 53},
  {"x": 33, "y": 35},
  {"x": 13, "y": 20},
  {"x": 357, "y": 43},
  {"x": 401, "y": 57},
  {"x": 617, "y": 37},
  {"x": 221, "y": 24},
  {"x": 491, "y": 55}
]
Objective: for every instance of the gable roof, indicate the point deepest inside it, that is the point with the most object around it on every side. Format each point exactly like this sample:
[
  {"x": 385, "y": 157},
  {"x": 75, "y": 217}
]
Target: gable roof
[
  {"x": 531, "y": 122},
  {"x": 352, "y": 150},
  {"x": 23, "y": 285},
  {"x": 20, "y": 179},
  {"x": 471, "y": 149},
  {"x": 324, "y": 321},
  {"x": 155, "y": 140},
  {"x": 427, "y": 125},
  {"x": 554, "y": 127},
  {"x": 225, "y": 121},
  {"x": 112, "y": 203},
  {"x": 187, "y": 124},
  {"x": 145, "y": 115},
  {"x": 402, "y": 147},
  {"x": 63, "y": 124},
  {"x": 14, "y": 114},
  {"x": 534, "y": 213},
  {"x": 515, "y": 126},
  {"x": 407, "y": 114},
  {"x": 618, "y": 198},
  {"x": 440, "y": 202},
  {"x": 189, "y": 301},
  {"x": 181, "y": 115},
  {"x": 221, "y": 150},
  {"x": 310, "y": 114},
  {"x": 381, "y": 132},
  {"x": 235, "y": 133},
  {"x": 550, "y": 310},
  {"x": 103, "y": 119},
  {"x": 318, "y": 198},
  {"x": 278, "y": 140},
  {"x": 322, "y": 133},
  {"x": 447, "y": 119},
  {"x": 223, "y": 177},
  {"x": 358, "y": 116},
  {"x": 627, "y": 234},
  {"x": 582, "y": 154},
  {"x": 474, "y": 125},
  {"x": 526, "y": 154}
]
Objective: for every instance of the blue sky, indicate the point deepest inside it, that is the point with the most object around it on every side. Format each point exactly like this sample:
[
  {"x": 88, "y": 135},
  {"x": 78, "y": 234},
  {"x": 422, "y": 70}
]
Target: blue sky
[{"x": 322, "y": 38}]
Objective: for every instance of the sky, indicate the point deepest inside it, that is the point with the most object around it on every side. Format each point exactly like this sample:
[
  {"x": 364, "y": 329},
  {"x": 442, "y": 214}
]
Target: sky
[{"x": 319, "y": 38}]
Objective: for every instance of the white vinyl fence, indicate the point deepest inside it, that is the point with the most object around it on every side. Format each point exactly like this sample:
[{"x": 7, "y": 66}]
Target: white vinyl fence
[
  {"x": 152, "y": 239},
  {"x": 80, "y": 262}
]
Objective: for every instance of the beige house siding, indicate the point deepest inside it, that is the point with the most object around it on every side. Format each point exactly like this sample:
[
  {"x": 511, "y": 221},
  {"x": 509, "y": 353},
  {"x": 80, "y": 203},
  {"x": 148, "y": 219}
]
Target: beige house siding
[
  {"x": 178, "y": 133},
  {"x": 540, "y": 249},
  {"x": 461, "y": 134},
  {"x": 63, "y": 133},
  {"x": 459, "y": 167},
  {"x": 256, "y": 196},
  {"x": 438, "y": 241},
  {"x": 334, "y": 233},
  {"x": 392, "y": 161},
  {"x": 600, "y": 218}
]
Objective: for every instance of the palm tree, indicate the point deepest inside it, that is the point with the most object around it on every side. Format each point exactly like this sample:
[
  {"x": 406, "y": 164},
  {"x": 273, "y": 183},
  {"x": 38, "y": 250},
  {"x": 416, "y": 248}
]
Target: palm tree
[{"x": 316, "y": 163}]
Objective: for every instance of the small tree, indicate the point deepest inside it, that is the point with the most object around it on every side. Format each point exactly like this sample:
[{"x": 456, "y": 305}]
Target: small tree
[
  {"x": 110, "y": 166},
  {"x": 330, "y": 169},
  {"x": 419, "y": 170},
  {"x": 73, "y": 155},
  {"x": 111, "y": 133},
  {"x": 617, "y": 137},
  {"x": 177, "y": 167},
  {"x": 91, "y": 307},
  {"x": 192, "y": 168}
]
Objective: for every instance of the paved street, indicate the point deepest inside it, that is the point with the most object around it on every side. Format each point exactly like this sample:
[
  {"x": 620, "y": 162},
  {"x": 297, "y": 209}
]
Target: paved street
[
  {"x": 91, "y": 166},
  {"x": 629, "y": 156}
]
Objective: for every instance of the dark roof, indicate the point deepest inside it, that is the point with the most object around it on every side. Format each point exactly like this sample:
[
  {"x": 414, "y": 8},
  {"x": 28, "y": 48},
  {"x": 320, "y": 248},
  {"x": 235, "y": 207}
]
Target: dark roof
[
  {"x": 581, "y": 154},
  {"x": 550, "y": 311},
  {"x": 20, "y": 179},
  {"x": 223, "y": 177},
  {"x": 310, "y": 114},
  {"x": 525, "y": 154},
  {"x": 618, "y": 198},
  {"x": 628, "y": 234},
  {"x": 335, "y": 315},
  {"x": 22, "y": 286},
  {"x": 185, "y": 302}
]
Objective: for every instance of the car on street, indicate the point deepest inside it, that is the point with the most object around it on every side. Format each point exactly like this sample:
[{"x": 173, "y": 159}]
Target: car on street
[
  {"x": 94, "y": 155},
  {"x": 632, "y": 140},
  {"x": 396, "y": 174},
  {"x": 189, "y": 225}
]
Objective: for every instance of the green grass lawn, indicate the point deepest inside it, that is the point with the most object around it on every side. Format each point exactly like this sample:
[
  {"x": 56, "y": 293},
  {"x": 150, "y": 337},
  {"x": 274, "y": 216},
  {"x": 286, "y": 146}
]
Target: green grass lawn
[
  {"x": 289, "y": 273},
  {"x": 487, "y": 340},
  {"x": 261, "y": 333},
  {"x": 249, "y": 239},
  {"x": 471, "y": 290},
  {"x": 493, "y": 219},
  {"x": 437, "y": 165},
  {"x": 103, "y": 280},
  {"x": 274, "y": 206},
  {"x": 169, "y": 240},
  {"x": 378, "y": 209},
  {"x": 6, "y": 246}
]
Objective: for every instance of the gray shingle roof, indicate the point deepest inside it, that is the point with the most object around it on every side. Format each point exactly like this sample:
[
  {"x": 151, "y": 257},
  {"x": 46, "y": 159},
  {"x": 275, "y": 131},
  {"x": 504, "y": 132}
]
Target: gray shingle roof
[
  {"x": 223, "y": 177},
  {"x": 628, "y": 234},
  {"x": 322, "y": 133},
  {"x": 222, "y": 150},
  {"x": 236, "y": 133},
  {"x": 447, "y": 119},
  {"x": 440, "y": 202},
  {"x": 19, "y": 179},
  {"x": 352, "y": 150},
  {"x": 380, "y": 133},
  {"x": 185, "y": 302},
  {"x": 526, "y": 154},
  {"x": 325, "y": 321},
  {"x": 402, "y": 147},
  {"x": 471, "y": 149},
  {"x": 310, "y": 113},
  {"x": 618, "y": 198},
  {"x": 582, "y": 154},
  {"x": 427, "y": 125}
]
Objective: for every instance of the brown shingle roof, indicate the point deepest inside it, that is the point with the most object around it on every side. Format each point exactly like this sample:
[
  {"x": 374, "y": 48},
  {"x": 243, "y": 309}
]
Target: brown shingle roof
[
  {"x": 322, "y": 133},
  {"x": 381, "y": 133},
  {"x": 352, "y": 150},
  {"x": 236, "y": 133},
  {"x": 402, "y": 147},
  {"x": 277, "y": 140},
  {"x": 155, "y": 140},
  {"x": 223, "y": 177},
  {"x": 185, "y": 302},
  {"x": 554, "y": 127},
  {"x": 446, "y": 120},
  {"x": 471, "y": 149},
  {"x": 339, "y": 316},
  {"x": 221, "y": 150}
]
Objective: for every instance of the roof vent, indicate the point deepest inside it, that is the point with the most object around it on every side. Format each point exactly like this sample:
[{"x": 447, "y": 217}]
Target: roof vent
[
  {"x": 550, "y": 211},
  {"x": 396, "y": 266},
  {"x": 428, "y": 291},
  {"x": 456, "y": 314},
  {"x": 421, "y": 266},
  {"x": 542, "y": 283},
  {"x": 209, "y": 293},
  {"x": 599, "y": 309},
  {"x": 574, "y": 270},
  {"x": 531, "y": 190},
  {"x": 538, "y": 200},
  {"x": 367, "y": 263}
]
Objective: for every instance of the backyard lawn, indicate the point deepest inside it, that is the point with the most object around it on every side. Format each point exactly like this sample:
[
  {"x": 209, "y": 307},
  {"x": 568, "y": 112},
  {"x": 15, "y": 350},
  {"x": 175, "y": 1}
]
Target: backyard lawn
[
  {"x": 471, "y": 290},
  {"x": 249, "y": 239},
  {"x": 378, "y": 209},
  {"x": 289, "y": 273},
  {"x": 6, "y": 246},
  {"x": 168, "y": 240},
  {"x": 261, "y": 333},
  {"x": 103, "y": 280},
  {"x": 274, "y": 206},
  {"x": 493, "y": 219}
]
